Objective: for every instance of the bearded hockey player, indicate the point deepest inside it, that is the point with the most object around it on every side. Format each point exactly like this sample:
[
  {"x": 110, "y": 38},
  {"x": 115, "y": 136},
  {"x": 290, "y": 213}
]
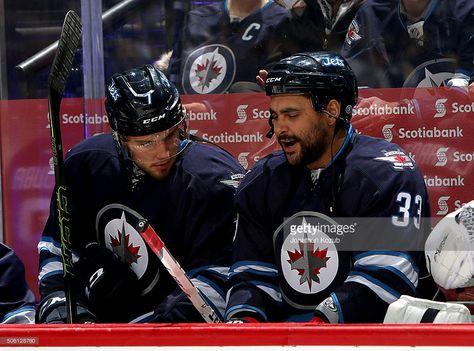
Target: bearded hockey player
[
  {"x": 286, "y": 269},
  {"x": 412, "y": 43},
  {"x": 184, "y": 189}
]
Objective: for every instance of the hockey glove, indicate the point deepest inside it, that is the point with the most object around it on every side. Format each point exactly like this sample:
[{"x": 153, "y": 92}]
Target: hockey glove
[
  {"x": 111, "y": 287},
  {"x": 409, "y": 309},
  {"x": 52, "y": 310},
  {"x": 450, "y": 249}
]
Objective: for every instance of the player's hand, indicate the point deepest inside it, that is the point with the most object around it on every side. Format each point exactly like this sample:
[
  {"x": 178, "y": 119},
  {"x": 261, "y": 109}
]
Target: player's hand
[
  {"x": 110, "y": 286},
  {"x": 262, "y": 76},
  {"x": 52, "y": 310}
]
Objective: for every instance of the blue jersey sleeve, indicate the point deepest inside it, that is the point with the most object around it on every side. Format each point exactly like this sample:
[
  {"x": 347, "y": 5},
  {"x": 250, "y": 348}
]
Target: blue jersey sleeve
[{"x": 253, "y": 276}]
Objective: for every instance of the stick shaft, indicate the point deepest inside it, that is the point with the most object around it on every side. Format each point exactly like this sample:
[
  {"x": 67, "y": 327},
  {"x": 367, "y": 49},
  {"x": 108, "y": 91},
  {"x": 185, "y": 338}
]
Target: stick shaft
[
  {"x": 179, "y": 275},
  {"x": 60, "y": 70}
]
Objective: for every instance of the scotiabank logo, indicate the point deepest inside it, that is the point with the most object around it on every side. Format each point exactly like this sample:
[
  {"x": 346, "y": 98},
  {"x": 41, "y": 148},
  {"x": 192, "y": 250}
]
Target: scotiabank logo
[
  {"x": 81, "y": 119},
  {"x": 443, "y": 206},
  {"x": 458, "y": 156},
  {"x": 434, "y": 133},
  {"x": 441, "y": 182},
  {"x": 442, "y": 157},
  {"x": 236, "y": 137},
  {"x": 385, "y": 109},
  {"x": 387, "y": 132},
  {"x": 242, "y": 158},
  {"x": 440, "y": 108},
  {"x": 241, "y": 114},
  {"x": 463, "y": 157},
  {"x": 202, "y": 116}
]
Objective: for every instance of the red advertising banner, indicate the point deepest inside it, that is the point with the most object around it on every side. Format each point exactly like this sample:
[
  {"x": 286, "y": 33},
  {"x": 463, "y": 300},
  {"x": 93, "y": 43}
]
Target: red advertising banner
[{"x": 434, "y": 126}]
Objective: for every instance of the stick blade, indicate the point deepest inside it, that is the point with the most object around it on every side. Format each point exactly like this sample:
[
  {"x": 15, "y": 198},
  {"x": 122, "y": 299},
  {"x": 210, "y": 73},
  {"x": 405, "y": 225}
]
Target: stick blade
[{"x": 64, "y": 58}]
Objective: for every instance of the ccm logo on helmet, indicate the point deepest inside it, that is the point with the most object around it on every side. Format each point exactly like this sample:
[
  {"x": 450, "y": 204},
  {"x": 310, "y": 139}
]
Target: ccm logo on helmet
[
  {"x": 154, "y": 119},
  {"x": 274, "y": 79}
]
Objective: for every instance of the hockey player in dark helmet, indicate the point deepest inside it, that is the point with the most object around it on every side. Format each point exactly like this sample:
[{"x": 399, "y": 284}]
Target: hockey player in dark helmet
[
  {"x": 149, "y": 122},
  {"x": 326, "y": 176},
  {"x": 327, "y": 88},
  {"x": 185, "y": 189}
]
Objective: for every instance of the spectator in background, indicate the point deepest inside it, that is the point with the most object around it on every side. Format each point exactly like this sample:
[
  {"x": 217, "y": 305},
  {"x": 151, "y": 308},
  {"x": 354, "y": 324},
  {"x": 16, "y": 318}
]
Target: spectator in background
[
  {"x": 224, "y": 43},
  {"x": 315, "y": 24},
  {"x": 16, "y": 299},
  {"x": 412, "y": 43}
]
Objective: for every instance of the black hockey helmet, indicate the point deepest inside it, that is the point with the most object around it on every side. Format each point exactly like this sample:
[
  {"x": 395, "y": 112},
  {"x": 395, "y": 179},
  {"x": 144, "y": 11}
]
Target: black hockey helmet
[
  {"x": 322, "y": 75},
  {"x": 142, "y": 101}
]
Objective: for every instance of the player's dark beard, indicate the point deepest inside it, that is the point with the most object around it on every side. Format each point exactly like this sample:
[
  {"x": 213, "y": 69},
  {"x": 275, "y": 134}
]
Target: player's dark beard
[{"x": 313, "y": 145}]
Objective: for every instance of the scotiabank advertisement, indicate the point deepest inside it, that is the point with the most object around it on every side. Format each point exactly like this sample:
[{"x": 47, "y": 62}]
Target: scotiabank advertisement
[{"x": 434, "y": 126}]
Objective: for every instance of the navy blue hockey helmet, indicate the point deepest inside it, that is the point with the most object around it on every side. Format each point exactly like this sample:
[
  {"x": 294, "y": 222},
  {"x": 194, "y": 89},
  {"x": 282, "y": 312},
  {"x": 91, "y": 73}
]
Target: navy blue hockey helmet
[
  {"x": 142, "y": 101},
  {"x": 322, "y": 75}
]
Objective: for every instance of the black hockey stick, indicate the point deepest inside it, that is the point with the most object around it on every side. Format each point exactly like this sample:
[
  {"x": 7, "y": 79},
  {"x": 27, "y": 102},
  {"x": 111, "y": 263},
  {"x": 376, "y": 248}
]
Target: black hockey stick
[{"x": 62, "y": 64}]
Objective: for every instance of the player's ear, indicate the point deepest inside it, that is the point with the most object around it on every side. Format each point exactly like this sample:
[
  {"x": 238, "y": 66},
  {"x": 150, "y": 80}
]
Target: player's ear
[{"x": 334, "y": 109}]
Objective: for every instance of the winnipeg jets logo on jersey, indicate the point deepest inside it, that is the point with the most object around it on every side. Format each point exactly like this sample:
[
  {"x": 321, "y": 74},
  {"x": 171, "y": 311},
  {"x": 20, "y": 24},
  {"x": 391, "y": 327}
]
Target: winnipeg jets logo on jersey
[
  {"x": 431, "y": 74},
  {"x": 116, "y": 229},
  {"x": 308, "y": 257},
  {"x": 397, "y": 158},
  {"x": 353, "y": 33},
  {"x": 209, "y": 69},
  {"x": 234, "y": 180},
  {"x": 122, "y": 239}
]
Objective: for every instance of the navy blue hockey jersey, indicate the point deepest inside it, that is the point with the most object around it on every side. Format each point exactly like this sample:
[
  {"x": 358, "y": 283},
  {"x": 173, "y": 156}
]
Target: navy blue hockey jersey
[
  {"x": 282, "y": 273},
  {"x": 191, "y": 209},
  {"x": 214, "y": 52},
  {"x": 17, "y": 302},
  {"x": 386, "y": 50}
]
